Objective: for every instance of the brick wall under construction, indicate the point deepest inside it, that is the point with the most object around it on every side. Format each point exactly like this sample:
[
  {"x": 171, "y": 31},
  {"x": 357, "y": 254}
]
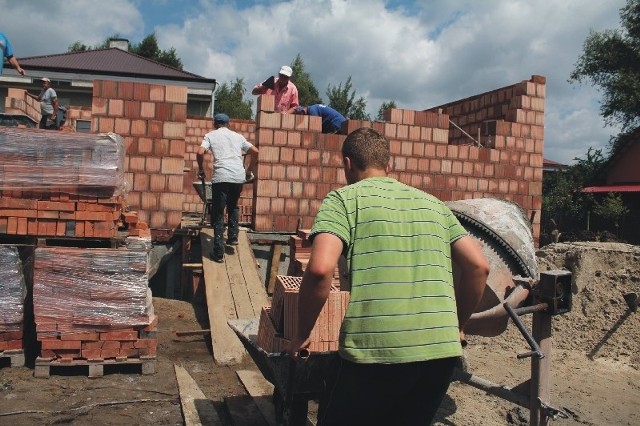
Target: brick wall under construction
[
  {"x": 299, "y": 165},
  {"x": 493, "y": 149}
]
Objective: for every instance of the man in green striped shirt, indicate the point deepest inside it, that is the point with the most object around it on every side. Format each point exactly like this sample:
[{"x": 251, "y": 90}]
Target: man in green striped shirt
[{"x": 400, "y": 336}]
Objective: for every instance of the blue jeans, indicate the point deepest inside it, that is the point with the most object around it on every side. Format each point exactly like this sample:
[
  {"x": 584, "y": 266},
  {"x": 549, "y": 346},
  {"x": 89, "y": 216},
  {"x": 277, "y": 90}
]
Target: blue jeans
[{"x": 223, "y": 195}]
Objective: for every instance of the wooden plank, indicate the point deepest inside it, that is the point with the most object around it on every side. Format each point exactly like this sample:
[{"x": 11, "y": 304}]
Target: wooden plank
[
  {"x": 197, "y": 409},
  {"x": 227, "y": 348},
  {"x": 261, "y": 391},
  {"x": 238, "y": 285},
  {"x": 255, "y": 286},
  {"x": 276, "y": 250}
]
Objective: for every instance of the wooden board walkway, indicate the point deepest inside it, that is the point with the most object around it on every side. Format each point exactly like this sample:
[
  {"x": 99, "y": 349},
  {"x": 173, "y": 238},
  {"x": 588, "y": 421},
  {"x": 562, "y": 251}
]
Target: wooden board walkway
[
  {"x": 234, "y": 290},
  {"x": 197, "y": 410}
]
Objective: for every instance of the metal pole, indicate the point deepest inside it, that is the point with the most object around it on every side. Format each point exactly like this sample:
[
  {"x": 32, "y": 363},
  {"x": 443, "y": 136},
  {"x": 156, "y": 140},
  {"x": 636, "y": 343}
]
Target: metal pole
[{"x": 540, "y": 370}]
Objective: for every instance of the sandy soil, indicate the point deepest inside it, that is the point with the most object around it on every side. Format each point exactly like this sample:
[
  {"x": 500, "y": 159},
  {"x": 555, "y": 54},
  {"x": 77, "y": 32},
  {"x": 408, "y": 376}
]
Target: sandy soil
[{"x": 595, "y": 367}]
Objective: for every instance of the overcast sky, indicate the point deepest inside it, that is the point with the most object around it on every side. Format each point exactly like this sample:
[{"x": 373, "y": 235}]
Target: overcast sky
[{"x": 418, "y": 53}]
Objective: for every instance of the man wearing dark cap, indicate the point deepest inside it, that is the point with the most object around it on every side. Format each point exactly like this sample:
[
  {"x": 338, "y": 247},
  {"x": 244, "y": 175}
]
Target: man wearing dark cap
[
  {"x": 228, "y": 148},
  {"x": 285, "y": 91}
]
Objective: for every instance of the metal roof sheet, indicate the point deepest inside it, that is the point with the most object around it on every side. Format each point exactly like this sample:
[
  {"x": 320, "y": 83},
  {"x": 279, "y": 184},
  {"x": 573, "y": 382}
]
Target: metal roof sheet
[{"x": 110, "y": 61}]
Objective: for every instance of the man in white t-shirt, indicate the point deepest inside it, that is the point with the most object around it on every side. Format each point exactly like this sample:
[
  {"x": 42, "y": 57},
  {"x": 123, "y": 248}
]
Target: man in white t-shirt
[
  {"x": 48, "y": 104},
  {"x": 228, "y": 148}
]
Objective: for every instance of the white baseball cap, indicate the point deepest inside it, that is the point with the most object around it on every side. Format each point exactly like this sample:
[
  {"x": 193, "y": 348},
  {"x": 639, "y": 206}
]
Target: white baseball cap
[{"x": 286, "y": 70}]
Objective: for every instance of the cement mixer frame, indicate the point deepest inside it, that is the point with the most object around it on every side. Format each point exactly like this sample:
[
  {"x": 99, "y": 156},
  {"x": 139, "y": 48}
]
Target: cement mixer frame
[{"x": 551, "y": 296}]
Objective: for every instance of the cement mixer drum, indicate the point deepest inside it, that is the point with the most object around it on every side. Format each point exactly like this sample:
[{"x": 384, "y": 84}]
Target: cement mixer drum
[{"x": 505, "y": 233}]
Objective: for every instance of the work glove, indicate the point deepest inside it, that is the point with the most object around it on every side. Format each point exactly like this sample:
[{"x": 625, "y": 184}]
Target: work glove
[
  {"x": 200, "y": 174},
  {"x": 249, "y": 177}
]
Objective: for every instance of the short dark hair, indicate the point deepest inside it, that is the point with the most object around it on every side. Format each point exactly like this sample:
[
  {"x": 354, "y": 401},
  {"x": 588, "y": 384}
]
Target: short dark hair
[{"x": 367, "y": 149}]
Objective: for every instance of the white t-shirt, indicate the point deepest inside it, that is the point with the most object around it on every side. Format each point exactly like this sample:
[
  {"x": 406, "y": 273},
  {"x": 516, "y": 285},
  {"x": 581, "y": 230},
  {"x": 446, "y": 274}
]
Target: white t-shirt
[
  {"x": 46, "y": 100},
  {"x": 227, "y": 147}
]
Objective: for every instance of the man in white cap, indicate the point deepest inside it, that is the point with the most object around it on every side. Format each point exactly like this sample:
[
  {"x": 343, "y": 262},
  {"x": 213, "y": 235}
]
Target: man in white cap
[
  {"x": 48, "y": 103},
  {"x": 285, "y": 91}
]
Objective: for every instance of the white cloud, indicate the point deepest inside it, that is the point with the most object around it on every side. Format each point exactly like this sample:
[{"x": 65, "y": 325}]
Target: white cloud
[{"x": 418, "y": 53}]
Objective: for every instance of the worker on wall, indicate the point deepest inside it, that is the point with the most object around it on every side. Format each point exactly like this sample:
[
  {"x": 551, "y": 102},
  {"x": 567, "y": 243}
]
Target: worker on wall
[
  {"x": 285, "y": 91},
  {"x": 400, "y": 338}
]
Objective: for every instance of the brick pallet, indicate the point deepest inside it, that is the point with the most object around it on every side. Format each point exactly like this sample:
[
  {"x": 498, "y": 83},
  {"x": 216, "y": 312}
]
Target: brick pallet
[
  {"x": 15, "y": 357},
  {"x": 96, "y": 368},
  {"x": 93, "y": 307}
]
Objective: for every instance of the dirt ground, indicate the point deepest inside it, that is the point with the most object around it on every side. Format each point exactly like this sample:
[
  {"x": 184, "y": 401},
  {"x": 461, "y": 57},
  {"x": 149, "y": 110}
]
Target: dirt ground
[{"x": 595, "y": 362}]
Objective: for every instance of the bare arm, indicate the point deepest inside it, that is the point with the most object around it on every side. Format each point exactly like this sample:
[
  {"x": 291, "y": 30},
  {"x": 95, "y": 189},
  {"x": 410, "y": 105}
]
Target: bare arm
[
  {"x": 474, "y": 268},
  {"x": 315, "y": 287},
  {"x": 253, "y": 156},
  {"x": 13, "y": 61},
  {"x": 54, "y": 103},
  {"x": 259, "y": 89},
  {"x": 200, "y": 158}
]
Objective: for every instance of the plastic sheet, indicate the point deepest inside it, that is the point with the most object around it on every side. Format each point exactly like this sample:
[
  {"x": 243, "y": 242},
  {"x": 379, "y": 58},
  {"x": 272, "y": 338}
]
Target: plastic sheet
[
  {"x": 86, "y": 290},
  {"x": 12, "y": 289},
  {"x": 74, "y": 163}
]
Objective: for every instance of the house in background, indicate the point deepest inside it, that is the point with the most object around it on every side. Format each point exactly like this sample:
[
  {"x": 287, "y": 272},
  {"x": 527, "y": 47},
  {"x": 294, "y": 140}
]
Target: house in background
[
  {"x": 622, "y": 176},
  {"x": 72, "y": 76}
]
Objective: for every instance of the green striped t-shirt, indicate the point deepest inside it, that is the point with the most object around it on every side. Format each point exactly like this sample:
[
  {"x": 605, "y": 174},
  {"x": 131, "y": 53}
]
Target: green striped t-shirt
[{"x": 402, "y": 306}]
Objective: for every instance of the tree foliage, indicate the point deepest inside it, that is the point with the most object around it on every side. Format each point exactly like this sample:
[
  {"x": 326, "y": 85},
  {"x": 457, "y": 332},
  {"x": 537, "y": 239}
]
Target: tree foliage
[
  {"x": 230, "y": 100},
  {"x": 611, "y": 210},
  {"x": 307, "y": 92},
  {"x": 611, "y": 60},
  {"x": 147, "y": 48},
  {"x": 343, "y": 100},
  {"x": 564, "y": 205},
  {"x": 385, "y": 106}
]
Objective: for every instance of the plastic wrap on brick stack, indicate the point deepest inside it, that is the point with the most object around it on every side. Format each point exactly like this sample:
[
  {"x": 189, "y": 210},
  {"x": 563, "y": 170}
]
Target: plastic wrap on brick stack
[
  {"x": 279, "y": 323},
  {"x": 60, "y": 184},
  {"x": 13, "y": 291},
  {"x": 94, "y": 303}
]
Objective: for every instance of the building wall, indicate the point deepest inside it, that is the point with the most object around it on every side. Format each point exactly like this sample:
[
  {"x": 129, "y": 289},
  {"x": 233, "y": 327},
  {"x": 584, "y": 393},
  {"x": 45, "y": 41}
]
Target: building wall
[
  {"x": 625, "y": 170},
  {"x": 298, "y": 165}
]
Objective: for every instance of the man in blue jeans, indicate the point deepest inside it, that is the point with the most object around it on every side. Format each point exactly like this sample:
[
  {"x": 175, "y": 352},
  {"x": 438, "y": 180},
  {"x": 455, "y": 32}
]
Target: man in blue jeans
[{"x": 228, "y": 148}]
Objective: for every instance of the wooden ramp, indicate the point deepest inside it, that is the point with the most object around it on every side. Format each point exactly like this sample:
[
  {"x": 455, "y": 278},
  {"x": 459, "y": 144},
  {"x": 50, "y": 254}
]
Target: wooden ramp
[{"x": 234, "y": 291}]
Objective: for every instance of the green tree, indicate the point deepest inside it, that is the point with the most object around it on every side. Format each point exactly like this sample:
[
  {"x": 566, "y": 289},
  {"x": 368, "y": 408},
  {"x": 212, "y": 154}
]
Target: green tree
[
  {"x": 611, "y": 60},
  {"x": 147, "y": 48},
  {"x": 343, "y": 100},
  {"x": 611, "y": 210},
  {"x": 385, "y": 106},
  {"x": 564, "y": 205},
  {"x": 230, "y": 100},
  {"x": 78, "y": 46},
  {"x": 307, "y": 92}
]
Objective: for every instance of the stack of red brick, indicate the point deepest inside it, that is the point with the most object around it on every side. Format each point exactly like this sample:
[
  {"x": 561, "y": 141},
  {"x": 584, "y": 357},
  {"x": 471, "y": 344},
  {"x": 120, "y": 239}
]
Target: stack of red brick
[
  {"x": 279, "y": 322},
  {"x": 299, "y": 252},
  {"x": 12, "y": 295},
  {"x": 93, "y": 304},
  {"x": 57, "y": 184}
]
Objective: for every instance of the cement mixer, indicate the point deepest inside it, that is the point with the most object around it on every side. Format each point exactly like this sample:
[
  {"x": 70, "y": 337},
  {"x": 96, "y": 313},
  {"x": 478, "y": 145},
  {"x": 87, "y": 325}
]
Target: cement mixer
[
  {"x": 515, "y": 287},
  {"x": 507, "y": 242}
]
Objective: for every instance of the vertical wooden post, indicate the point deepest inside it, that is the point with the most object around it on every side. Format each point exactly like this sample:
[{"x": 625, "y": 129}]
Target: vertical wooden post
[
  {"x": 276, "y": 250},
  {"x": 540, "y": 370}
]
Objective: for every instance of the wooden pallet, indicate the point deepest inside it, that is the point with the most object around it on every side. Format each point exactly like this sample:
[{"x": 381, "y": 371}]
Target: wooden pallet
[
  {"x": 96, "y": 368},
  {"x": 15, "y": 357}
]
